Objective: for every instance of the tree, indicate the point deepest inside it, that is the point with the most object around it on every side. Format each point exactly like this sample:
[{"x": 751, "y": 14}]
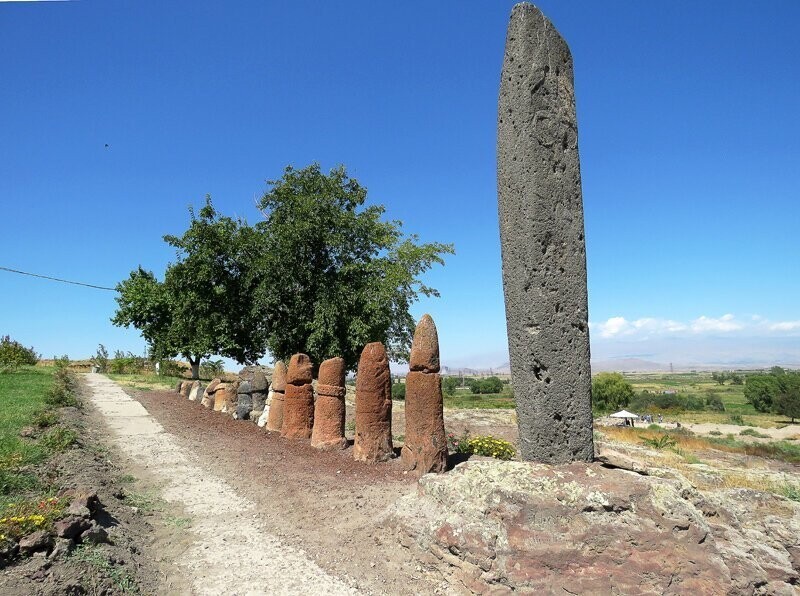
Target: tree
[
  {"x": 720, "y": 377},
  {"x": 205, "y": 304},
  {"x": 736, "y": 378},
  {"x": 611, "y": 391},
  {"x": 100, "y": 359},
  {"x": 760, "y": 390},
  {"x": 787, "y": 400},
  {"x": 449, "y": 385},
  {"x": 339, "y": 276}
]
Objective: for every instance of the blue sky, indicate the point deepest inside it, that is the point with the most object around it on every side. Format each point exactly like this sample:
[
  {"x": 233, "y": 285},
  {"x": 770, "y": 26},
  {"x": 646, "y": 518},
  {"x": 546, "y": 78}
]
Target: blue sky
[{"x": 688, "y": 133}]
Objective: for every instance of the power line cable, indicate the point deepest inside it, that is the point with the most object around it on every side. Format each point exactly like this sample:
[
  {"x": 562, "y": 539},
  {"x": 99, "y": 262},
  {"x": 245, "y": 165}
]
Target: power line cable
[{"x": 66, "y": 281}]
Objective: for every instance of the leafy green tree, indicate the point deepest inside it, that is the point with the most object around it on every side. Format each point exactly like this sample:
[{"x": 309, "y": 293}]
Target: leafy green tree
[
  {"x": 760, "y": 390},
  {"x": 13, "y": 354},
  {"x": 736, "y": 378},
  {"x": 399, "y": 391},
  {"x": 100, "y": 359},
  {"x": 449, "y": 385},
  {"x": 787, "y": 400},
  {"x": 336, "y": 276},
  {"x": 205, "y": 304},
  {"x": 719, "y": 377},
  {"x": 611, "y": 391}
]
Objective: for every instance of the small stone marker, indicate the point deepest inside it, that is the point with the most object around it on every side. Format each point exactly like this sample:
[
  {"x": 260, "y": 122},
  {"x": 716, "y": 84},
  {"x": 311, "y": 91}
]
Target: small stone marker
[
  {"x": 208, "y": 394},
  {"x": 373, "y": 406},
  {"x": 225, "y": 398},
  {"x": 178, "y": 386},
  {"x": 298, "y": 409},
  {"x": 196, "y": 392},
  {"x": 329, "y": 409},
  {"x": 275, "y": 418},
  {"x": 186, "y": 387},
  {"x": 542, "y": 242},
  {"x": 425, "y": 446},
  {"x": 259, "y": 386}
]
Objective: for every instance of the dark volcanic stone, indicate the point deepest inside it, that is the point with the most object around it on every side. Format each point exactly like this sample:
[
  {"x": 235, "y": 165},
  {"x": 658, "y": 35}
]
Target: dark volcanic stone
[{"x": 542, "y": 242}]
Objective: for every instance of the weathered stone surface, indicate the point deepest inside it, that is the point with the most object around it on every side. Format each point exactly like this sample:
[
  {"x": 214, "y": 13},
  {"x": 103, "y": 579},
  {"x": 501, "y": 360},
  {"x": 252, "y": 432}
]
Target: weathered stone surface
[
  {"x": 178, "y": 386},
  {"x": 584, "y": 529},
  {"x": 259, "y": 400},
  {"x": 212, "y": 386},
  {"x": 329, "y": 409},
  {"x": 279, "y": 377},
  {"x": 96, "y": 534},
  {"x": 373, "y": 406},
  {"x": 41, "y": 540},
  {"x": 264, "y": 418},
  {"x": 425, "y": 347},
  {"x": 186, "y": 387},
  {"x": 298, "y": 411},
  {"x": 301, "y": 370},
  {"x": 259, "y": 381},
  {"x": 542, "y": 242},
  {"x": 71, "y": 527},
  {"x": 425, "y": 446},
  {"x": 245, "y": 387},
  {"x": 225, "y": 398},
  {"x": 244, "y": 405},
  {"x": 196, "y": 392},
  {"x": 275, "y": 414},
  {"x": 208, "y": 400}
]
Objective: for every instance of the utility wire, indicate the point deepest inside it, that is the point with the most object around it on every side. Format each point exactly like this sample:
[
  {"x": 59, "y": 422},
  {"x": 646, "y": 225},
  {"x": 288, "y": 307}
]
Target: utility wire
[{"x": 66, "y": 281}]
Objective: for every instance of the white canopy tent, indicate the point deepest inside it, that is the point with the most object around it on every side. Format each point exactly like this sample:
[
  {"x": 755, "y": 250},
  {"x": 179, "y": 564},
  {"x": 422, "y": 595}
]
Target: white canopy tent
[{"x": 627, "y": 416}]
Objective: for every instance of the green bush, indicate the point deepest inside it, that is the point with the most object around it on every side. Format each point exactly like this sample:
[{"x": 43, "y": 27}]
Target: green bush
[
  {"x": 714, "y": 402},
  {"x": 487, "y": 386},
  {"x": 647, "y": 401},
  {"x": 751, "y": 432},
  {"x": 488, "y": 446},
  {"x": 211, "y": 368},
  {"x": 611, "y": 391},
  {"x": 13, "y": 354},
  {"x": 736, "y": 419},
  {"x": 62, "y": 392},
  {"x": 100, "y": 359},
  {"x": 399, "y": 391},
  {"x": 59, "y": 439},
  {"x": 170, "y": 368},
  {"x": 449, "y": 385}
]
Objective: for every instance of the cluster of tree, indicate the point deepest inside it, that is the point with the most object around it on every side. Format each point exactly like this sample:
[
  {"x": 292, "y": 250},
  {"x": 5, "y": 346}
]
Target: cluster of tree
[
  {"x": 487, "y": 386},
  {"x": 323, "y": 274},
  {"x": 611, "y": 391},
  {"x": 777, "y": 391},
  {"x": 734, "y": 377},
  {"x": 13, "y": 354}
]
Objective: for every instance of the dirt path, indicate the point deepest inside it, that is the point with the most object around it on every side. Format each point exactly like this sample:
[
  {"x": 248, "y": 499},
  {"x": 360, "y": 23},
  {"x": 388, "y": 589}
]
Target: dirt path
[{"x": 230, "y": 551}]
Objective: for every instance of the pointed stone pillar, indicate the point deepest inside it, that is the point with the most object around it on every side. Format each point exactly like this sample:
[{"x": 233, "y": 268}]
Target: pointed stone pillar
[
  {"x": 373, "y": 406},
  {"x": 425, "y": 446},
  {"x": 542, "y": 242}
]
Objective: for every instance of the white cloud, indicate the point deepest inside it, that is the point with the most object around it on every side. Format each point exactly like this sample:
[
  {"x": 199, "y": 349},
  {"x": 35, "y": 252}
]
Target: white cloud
[
  {"x": 724, "y": 324},
  {"x": 649, "y": 327},
  {"x": 785, "y": 326}
]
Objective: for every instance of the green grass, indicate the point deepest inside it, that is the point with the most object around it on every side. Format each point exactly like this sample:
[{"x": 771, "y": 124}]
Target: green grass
[
  {"x": 97, "y": 562},
  {"x": 464, "y": 399},
  {"x": 22, "y": 399}
]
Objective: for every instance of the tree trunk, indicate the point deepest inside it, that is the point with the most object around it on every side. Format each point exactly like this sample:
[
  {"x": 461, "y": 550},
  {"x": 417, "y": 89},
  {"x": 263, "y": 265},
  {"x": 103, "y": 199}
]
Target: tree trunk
[{"x": 195, "y": 364}]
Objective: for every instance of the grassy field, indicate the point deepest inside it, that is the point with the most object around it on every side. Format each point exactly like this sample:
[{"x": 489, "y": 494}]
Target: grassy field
[
  {"x": 464, "y": 399},
  {"x": 22, "y": 397},
  {"x": 700, "y": 384},
  {"x": 146, "y": 382}
]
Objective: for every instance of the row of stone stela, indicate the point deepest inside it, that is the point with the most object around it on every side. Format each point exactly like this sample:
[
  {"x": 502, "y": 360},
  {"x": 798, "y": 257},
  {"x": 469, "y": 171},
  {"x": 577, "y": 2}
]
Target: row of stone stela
[{"x": 291, "y": 405}]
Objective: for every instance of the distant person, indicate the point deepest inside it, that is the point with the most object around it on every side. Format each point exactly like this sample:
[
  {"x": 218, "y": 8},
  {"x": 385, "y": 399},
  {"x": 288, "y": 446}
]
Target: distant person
[{"x": 660, "y": 419}]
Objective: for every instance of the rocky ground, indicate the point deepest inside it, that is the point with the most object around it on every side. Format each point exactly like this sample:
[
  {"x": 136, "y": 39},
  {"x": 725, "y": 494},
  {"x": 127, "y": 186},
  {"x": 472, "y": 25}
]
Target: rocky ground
[{"x": 196, "y": 502}]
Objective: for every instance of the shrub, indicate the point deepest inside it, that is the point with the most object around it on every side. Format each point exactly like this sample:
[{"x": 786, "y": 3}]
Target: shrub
[
  {"x": 45, "y": 418},
  {"x": 485, "y": 386},
  {"x": 647, "y": 401},
  {"x": 714, "y": 402},
  {"x": 481, "y": 445},
  {"x": 449, "y": 385},
  {"x": 170, "y": 368},
  {"x": 399, "y": 391},
  {"x": 459, "y": 444},
  {"x": 59, "y": 439},
  {"x": 13, "y": 354},
  {"x": 62, "y": 392},
  {"x": 661, "y": 442},
  {"x": 212, "y": 368},
  {"x": 736, "y": 419},
  {"x": 100, "y": 359},
  {"x": 751, "y": 432},
  {"x": 611, "y": 391},
  {"x": 492, "y": 447},
  {"x": 716, "y": 433}
]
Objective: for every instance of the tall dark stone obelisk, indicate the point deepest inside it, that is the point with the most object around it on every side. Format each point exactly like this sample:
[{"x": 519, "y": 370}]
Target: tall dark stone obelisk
[{"x": 542, "y": 241}]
